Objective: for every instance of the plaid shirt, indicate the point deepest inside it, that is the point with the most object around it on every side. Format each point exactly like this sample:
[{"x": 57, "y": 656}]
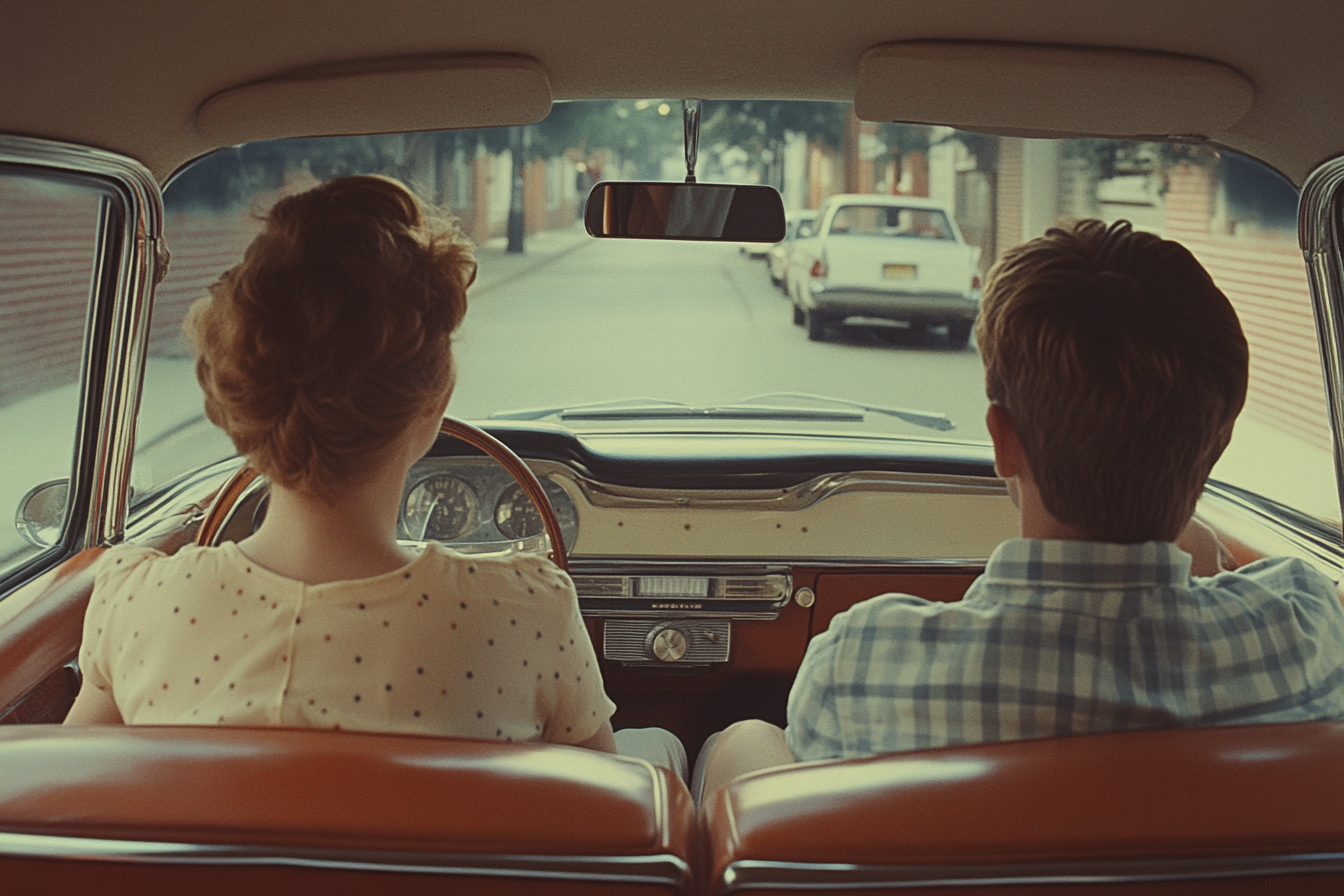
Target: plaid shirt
[{"x": 1068, "y": 637}]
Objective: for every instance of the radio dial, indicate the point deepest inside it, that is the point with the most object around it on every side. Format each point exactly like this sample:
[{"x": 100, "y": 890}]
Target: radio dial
[{"x": 667, "y": 643}]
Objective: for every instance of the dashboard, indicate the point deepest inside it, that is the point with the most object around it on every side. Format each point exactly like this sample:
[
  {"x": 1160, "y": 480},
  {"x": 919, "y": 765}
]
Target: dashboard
[{"x": 701, "y": 553}]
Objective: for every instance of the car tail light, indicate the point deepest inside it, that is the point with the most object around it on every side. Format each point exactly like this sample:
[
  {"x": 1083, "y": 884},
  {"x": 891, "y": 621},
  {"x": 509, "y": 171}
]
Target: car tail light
[
  {"x": 818, "y": 268},
  {"x": 975, "y": 281}
]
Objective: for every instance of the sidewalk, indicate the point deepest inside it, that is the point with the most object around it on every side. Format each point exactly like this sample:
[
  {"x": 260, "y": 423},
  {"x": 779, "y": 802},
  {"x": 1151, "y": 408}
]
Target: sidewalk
[{"x": 497, "y": 265}]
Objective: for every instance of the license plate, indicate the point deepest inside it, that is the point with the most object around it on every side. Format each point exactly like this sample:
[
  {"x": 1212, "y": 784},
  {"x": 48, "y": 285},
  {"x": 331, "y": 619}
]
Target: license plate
[{"x": 898, "y": 271}]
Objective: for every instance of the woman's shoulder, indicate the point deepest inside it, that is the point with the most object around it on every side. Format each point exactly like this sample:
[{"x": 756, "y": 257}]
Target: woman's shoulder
[{"x": 126, "y": 562}]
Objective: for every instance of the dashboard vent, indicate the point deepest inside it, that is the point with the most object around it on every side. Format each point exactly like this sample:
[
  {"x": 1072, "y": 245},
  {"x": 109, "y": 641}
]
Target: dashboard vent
[
  {"x": 757, "y": 588},
  {"x": 602, "y": 586}
]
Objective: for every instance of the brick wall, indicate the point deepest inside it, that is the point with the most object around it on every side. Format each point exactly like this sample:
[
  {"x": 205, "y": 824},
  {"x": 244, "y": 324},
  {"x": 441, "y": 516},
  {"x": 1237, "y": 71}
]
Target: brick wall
[
  {"x": 1265, "y": 279},
  {"x": 47, "y": 235},
  {"x": 1008, "y": 197},
  {"x": 204, "y": 245},
  {"x": 47, "y": 246}
]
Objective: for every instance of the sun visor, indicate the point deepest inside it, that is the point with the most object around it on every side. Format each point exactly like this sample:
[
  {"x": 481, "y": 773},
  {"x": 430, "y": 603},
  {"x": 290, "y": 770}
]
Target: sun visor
[
  {"x": 1050, "y": 90},
  {"x": 386, "y": 96}
]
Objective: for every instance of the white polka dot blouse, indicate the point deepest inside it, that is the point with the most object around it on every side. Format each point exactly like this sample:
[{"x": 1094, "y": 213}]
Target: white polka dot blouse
[{"x": 451, "y": 644}]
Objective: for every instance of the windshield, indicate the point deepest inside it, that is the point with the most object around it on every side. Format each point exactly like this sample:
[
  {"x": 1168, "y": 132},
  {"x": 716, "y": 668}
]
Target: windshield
[{"x": 827, "y": 334}]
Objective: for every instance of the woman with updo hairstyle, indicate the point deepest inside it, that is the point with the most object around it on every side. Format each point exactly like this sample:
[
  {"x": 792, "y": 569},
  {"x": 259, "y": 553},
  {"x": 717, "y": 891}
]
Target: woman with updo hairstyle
[{"x": 326, "y": 355}]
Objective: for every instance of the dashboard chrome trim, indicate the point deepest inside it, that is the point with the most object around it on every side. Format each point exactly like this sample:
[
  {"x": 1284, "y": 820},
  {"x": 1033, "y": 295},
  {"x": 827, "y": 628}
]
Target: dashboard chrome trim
[
  {"x": 797, "y": 497},
  {"x": 895, "y": 565},
  {"x": 727, "y": 589},
  {"x": 661, "y": 869},
  {"x": 749, "y": 874}
]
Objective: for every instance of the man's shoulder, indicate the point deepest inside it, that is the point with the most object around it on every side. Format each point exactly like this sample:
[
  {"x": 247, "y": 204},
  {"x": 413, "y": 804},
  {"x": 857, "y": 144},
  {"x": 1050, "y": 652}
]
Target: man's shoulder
[
  {"x": 1290, "y": 570},
  {"x": 1285, "y": 578}
]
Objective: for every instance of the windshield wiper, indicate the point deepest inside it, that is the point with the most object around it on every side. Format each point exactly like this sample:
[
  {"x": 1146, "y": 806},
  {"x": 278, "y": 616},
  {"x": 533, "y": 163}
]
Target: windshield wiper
[
  {"x": 655, "y": 409},
  {"x": 747, "y": 409}
]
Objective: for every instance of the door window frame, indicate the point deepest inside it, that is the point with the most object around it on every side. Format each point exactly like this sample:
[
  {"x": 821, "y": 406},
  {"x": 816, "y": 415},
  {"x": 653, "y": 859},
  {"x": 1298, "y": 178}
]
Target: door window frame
[{"x": 130, "y": 256}]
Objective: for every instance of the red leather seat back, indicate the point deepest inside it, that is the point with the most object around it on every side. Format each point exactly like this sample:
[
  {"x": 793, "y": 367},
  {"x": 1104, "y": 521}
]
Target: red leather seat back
[
  {"x": 196, "y": 810},
  {"x": 1232, "y": 809}
]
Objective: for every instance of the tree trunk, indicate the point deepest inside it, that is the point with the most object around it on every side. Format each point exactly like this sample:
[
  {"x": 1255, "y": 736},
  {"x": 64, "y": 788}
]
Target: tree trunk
[{"x": 518, "y": 150}]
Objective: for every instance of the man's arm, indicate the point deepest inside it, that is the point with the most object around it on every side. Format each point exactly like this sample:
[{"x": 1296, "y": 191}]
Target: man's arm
[{"x": 1208, "y": 557}]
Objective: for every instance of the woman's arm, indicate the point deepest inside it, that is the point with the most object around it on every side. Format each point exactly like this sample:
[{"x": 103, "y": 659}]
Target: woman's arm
[
  {"x": 93, "y": 706},
  {"x": 603, "y": 741}
]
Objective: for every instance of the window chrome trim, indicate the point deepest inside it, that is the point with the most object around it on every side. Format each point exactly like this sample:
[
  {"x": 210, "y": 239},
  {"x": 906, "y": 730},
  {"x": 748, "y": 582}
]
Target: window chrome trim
[
  {"x": 659, "y": 869},
  {"x": 1319, "y": 235},
  {"x": 141, "y": 260},
  {"x": 747, "y": 875}
]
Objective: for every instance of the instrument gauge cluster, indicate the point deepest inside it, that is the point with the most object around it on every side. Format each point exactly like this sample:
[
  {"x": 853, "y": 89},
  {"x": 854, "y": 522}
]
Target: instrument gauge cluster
[
  {"x": 441, "y": 507},
  {"x": 471, "y": 502}
]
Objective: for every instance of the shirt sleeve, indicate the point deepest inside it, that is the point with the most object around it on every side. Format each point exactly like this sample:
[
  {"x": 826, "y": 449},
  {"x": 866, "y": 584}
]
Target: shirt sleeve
[
  {"x": 813, "y": 731},
  {"x": 581, "y": 704},
  {"x": 117, "y": 569}
]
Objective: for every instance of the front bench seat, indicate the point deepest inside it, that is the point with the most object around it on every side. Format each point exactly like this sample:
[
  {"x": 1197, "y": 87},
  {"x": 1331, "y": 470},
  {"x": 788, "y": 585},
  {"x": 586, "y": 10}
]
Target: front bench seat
[
  {"x": 114, "y": 809},
  {"x": 1246, "y": 809}
]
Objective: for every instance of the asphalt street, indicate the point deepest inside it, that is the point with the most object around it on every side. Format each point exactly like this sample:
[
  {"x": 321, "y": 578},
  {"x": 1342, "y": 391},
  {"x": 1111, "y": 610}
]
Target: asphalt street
[{"x": 691, "y": 322}]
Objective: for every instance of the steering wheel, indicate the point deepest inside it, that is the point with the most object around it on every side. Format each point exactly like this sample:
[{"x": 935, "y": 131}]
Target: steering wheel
[{"x": 225, "y": 499}]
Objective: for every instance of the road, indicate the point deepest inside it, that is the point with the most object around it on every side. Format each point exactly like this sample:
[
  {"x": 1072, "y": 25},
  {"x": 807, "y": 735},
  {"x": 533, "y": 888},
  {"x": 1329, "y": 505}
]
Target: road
[{"x": 692, "y": 322}]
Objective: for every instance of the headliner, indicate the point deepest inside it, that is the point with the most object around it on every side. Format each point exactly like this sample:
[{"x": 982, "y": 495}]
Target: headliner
[{"x": 131, "y": 76}]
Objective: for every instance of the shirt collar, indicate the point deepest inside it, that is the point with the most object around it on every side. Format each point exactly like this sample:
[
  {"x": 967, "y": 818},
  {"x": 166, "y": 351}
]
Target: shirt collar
[{"x": 1087, "y": 565}]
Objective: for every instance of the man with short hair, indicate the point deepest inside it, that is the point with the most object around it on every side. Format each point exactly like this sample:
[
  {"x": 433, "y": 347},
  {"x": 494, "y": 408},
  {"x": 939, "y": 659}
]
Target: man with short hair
[{"x": 1115, "y": 369}]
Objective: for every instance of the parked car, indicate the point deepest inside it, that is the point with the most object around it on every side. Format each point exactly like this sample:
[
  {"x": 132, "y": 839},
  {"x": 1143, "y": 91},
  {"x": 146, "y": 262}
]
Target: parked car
[
  {"x": 721, "y": 485},
  {"x": 798, "y": 224},
  {"x": 887, "y": 257}
]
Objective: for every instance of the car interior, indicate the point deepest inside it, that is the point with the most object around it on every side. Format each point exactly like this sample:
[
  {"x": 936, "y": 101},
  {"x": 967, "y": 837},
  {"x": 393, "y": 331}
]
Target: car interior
[{"x": 709, "y": 537}]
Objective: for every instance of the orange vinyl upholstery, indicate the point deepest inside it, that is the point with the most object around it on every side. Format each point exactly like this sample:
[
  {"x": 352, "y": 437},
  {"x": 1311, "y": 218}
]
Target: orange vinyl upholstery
[
  {"x": 1229, "y": 810},
  {"x": 203, "y": 810},
  {"x": 41, "y": 625}
]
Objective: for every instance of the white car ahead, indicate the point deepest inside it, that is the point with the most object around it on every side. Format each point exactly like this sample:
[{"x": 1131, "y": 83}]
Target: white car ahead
[{"x": 898, "y": 258}]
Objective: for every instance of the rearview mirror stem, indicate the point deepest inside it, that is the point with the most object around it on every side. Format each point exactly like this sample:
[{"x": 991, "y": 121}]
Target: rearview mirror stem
[{"x": 690, "y": 117}]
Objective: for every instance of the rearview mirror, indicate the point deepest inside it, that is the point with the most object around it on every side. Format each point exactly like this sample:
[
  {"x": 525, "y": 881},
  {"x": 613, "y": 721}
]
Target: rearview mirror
[{"x": 670, "y": 211}]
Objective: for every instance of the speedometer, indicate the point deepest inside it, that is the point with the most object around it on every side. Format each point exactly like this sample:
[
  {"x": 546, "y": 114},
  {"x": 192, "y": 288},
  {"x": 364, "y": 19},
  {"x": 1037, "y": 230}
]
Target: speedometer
[
  {"x": 442, "y": 508},
  {"x": 516, "y": 515}
]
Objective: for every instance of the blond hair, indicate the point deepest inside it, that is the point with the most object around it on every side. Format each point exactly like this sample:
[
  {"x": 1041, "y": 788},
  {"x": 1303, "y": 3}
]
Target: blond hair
[
  {"x": 335, "y": 331},
  {"x": 1122, "y": 367}
]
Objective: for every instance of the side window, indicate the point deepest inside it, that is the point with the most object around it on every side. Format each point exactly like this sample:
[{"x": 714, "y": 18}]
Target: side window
[{"x": 49, "y": 241}]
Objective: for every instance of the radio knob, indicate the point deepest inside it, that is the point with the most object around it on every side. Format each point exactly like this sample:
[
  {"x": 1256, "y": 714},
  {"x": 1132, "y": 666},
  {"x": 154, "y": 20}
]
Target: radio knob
[{"x": 667, "y": 643}]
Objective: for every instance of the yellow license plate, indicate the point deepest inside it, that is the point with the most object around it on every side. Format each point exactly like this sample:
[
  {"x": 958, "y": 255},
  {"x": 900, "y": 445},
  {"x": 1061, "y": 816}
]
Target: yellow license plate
[{"x": 898, "y": 271}]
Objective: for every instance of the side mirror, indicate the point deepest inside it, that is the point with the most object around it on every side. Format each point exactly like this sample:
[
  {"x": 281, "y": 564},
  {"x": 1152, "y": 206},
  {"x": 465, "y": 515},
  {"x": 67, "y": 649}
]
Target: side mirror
[
  {"x": 41, "y": 513},
  {"x": 734, "y": 213}
]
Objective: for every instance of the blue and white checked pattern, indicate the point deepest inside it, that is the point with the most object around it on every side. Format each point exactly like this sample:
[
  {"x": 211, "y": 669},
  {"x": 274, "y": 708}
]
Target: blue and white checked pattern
[{"x": 1068, "y": 637}]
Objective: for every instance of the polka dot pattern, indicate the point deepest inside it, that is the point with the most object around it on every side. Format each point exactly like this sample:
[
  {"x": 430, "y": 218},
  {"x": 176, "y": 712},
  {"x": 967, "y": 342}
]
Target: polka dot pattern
[{"x": 448, "y": 645}]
